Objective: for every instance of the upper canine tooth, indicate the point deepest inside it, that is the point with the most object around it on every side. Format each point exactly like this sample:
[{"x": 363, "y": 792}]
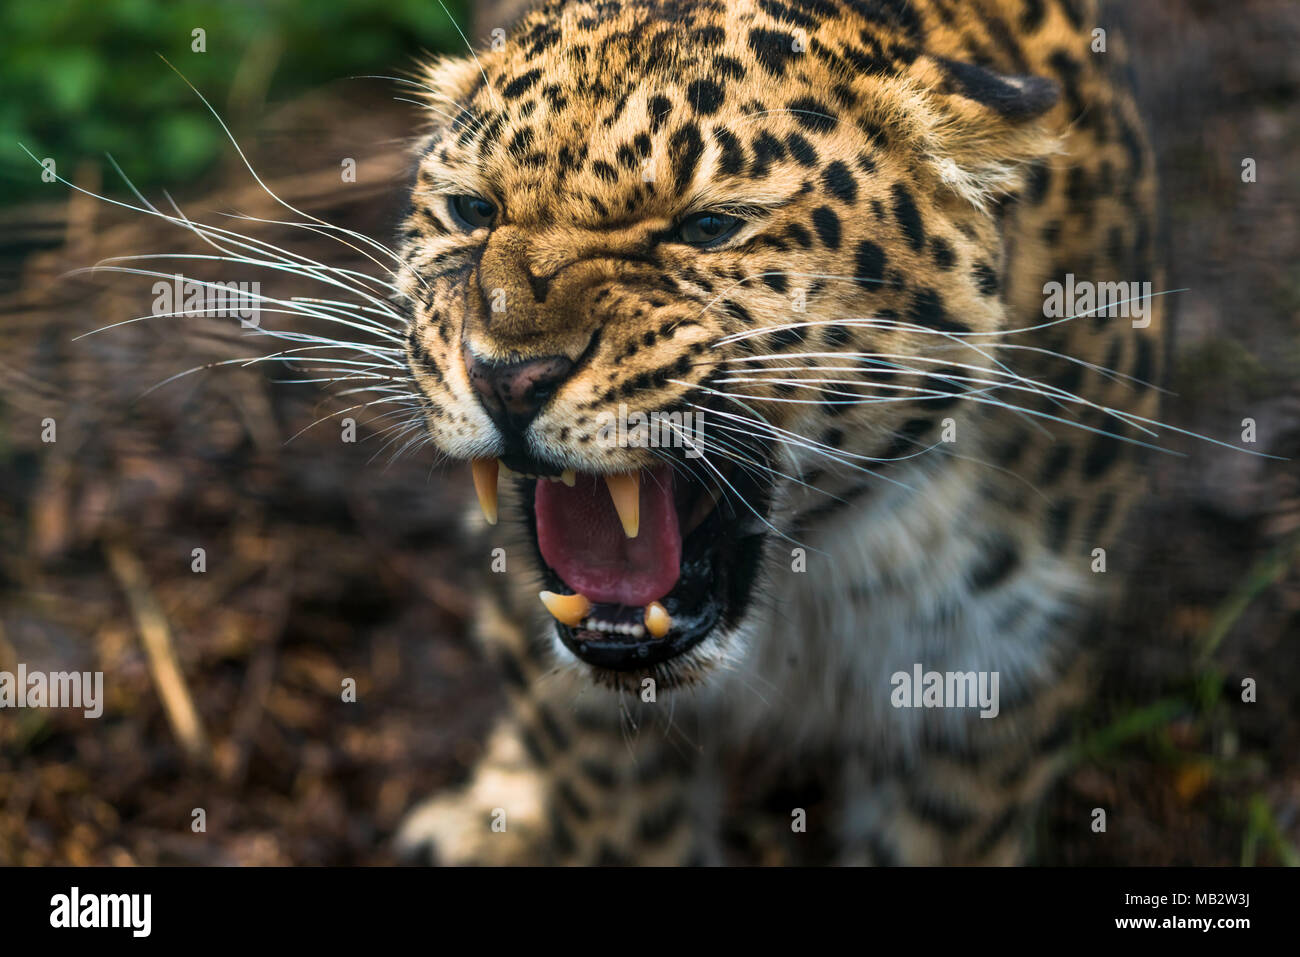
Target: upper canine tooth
[
  {"x": 625, "y": 491},
  {"x": 568, "y": 609},
  {"x": 657, "y": 620},
  {"x": 485, "y": 486},
  {"x": 569, "y": 477}
]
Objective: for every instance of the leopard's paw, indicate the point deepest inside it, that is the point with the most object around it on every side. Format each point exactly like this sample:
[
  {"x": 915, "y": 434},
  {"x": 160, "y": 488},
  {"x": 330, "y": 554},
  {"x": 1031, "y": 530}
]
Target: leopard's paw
[{"x": 495, "y": 819}]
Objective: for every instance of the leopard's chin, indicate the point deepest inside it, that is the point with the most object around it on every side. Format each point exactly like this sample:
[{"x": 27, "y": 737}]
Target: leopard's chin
[{"x": 647, "y": 606}]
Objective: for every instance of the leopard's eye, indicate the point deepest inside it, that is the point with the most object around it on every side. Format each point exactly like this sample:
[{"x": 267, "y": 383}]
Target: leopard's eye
[
  {"x": 707, "y": 229},
  {"x": 472, "y": 212}
]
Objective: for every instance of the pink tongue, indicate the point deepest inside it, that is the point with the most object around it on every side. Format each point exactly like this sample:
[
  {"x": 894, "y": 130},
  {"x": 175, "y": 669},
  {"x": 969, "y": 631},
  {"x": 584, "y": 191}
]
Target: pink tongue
[{"x": 582, "y": 539}]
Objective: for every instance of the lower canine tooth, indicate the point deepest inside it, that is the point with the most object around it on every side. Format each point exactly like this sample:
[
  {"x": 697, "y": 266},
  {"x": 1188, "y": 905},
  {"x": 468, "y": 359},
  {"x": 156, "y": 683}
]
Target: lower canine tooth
[
  {"x": 625, "y": 491},
  {"x": 485, "y": 486},
  {"x": 566, "y": 609},
  {"x": 657, "y": 621}
]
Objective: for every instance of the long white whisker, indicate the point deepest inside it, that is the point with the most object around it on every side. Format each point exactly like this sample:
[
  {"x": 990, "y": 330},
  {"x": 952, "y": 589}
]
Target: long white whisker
[
  {"x": 371, "y": 326},
  {"x": 249, "y": 166}
]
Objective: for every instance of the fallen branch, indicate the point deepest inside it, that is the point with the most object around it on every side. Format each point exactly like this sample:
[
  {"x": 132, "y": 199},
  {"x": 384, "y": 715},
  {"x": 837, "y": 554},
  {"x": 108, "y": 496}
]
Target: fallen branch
[{"x": 156, "y": 636}]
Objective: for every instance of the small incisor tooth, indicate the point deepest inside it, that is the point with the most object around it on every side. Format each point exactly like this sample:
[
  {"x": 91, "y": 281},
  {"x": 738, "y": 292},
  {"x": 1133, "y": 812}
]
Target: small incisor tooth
[
  {"x": 485, "y": 486},
  {"x": 625, "y": 491},
  {"x": 566, "y": 609},
  {"x": 657, "y": 620}
]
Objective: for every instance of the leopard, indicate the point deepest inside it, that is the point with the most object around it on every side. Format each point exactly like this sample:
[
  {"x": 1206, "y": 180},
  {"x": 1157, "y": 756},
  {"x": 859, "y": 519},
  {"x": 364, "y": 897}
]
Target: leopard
[{"x": 814, "y": 241}]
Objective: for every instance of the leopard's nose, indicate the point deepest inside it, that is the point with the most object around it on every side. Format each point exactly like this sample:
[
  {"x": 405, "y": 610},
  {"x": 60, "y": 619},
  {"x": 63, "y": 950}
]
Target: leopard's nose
[{"x": 514, "y": 392}]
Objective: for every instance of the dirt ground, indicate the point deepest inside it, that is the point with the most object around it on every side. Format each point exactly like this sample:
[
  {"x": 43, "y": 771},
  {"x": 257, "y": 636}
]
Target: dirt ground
[{"x": 327, "y": 560}]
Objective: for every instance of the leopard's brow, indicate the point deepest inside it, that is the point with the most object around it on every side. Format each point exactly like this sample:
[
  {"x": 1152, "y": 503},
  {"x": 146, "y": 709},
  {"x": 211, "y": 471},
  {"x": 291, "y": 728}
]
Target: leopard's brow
[
  {"x": 740, "y": 202},
  {"x": 452, "y": 181}
]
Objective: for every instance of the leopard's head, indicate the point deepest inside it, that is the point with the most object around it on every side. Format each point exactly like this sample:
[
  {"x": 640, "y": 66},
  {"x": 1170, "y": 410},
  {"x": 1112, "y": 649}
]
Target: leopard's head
[{"x": 667, "y": 261}]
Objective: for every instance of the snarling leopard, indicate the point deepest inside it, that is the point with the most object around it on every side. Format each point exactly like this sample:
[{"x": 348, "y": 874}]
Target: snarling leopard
[{"x": 800, "y": 456}]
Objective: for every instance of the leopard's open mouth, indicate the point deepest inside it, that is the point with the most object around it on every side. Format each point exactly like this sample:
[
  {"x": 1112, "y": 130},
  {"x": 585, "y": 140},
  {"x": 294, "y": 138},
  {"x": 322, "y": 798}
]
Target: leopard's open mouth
[{"x": 639, "y": 568}]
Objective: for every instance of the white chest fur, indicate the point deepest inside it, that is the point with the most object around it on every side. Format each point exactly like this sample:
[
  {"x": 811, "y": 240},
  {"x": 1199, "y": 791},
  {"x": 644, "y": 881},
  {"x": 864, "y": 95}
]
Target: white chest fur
[{"x": 888, "y": 590}]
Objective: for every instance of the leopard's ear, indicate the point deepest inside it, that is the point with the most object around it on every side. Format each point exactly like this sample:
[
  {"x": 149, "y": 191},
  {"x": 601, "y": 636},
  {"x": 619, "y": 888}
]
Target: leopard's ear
[
  {"x": 1015, "y": 98},
  {"x": 980, "y": 130},
  {"x": 991, "y": 129}
]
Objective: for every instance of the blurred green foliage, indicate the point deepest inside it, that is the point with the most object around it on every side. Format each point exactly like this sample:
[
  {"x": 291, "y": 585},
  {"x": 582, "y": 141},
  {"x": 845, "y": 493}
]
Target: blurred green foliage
[{"x": 79, "y": 78}]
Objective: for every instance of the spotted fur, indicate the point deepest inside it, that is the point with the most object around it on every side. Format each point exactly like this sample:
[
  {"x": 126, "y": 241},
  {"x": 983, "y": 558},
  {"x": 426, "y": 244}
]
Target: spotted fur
[{"x": 911, "y": 173}]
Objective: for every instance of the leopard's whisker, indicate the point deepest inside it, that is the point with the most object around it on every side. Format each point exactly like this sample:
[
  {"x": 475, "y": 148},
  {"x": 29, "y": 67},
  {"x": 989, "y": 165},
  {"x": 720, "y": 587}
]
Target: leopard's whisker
[
  {"x": 310, "y": 269},
  {"x": 290, "y": 307},
  {"x": 333, "y": 305},
  {"x": 403, "y": 429},
  {"x": 389, "y": 355},
  {"x": 472, "y": 52},
  {"x": 752, "y": 466},
  {"x": 352, "y": 408},
  {"x": 258, "y": 179},
  {"x": 329, "y": 364},
  {"x": 319, "y": 230},
  {"x": 744, "y": 462},
  {"x": 920, "y": 393},
  {"x": 408, "y": 80},
  {"x": 346, "y": 309},
  {"x": 402, "y": 410},
  {"x": 839, "y": 456},
  {"x": 205, "y": 232},
  {"x": 978, "y": 349},
  {"x": 877, "y": 322},
  {"x": 251, "y": 242},
  {"x": 1057, "y": 396},
  {"x": 1047, "y": 390},
  {"x": 976, "y": 397},
  {"x": 1018, "y": 383},
  {"x": 380, "y": 389},
  {"x": 735, "y": 494},
  {"x": 1114, "y": 374},
  {"x": 954, "y": 339},
  {"x": 1061, "y": 396},
  {"x": 475, "y": 123},
  {"x": 792, "y": 439},
  {"x": 180, "y": 220}
]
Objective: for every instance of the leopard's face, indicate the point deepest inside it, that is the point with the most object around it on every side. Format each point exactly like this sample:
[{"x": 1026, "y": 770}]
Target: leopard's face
[{"x": 632, "y": 209}]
